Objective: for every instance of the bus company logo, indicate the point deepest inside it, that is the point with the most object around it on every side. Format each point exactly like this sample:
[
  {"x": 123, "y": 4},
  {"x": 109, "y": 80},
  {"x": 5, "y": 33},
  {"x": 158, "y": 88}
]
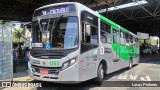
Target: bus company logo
[{"x": 6, "y": 84}]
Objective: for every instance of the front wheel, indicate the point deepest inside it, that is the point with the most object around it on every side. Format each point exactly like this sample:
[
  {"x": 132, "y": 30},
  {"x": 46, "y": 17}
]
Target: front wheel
[{"x": 100, "y": 75}]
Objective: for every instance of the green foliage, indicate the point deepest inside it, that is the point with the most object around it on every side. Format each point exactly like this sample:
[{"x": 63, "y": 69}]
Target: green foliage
[
  {"x": 5, "y": 22},
  {"x": 141, "y": 41},
  {"x": 18, "y": 34}
]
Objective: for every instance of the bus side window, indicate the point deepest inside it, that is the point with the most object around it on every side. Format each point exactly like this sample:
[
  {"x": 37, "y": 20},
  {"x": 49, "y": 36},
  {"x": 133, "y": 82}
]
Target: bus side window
[
  {"x": 89, "y": 34},
  {"x": 134, "y": 41},
  {"x": 94, "y": 36},
  {"x": 137, "y": 42},
  {"x": 131, "y": 40},
  {"x": 103, "y": 37},
  {"x": 122, "y": 38},
  {"x": 115, "y": 36},
  {"x": 89, "y": 38},
  {"x": 127, "y": 39},
  {"x": 105, "y": 32}
]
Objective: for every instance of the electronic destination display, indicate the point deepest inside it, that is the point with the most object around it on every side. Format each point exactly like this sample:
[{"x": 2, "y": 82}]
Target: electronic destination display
[{"x": 55, "y": 10}]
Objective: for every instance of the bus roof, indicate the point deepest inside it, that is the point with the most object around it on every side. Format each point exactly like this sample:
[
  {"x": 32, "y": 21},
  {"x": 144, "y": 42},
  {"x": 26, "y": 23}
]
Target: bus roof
[{"x": 100, "y": 16}]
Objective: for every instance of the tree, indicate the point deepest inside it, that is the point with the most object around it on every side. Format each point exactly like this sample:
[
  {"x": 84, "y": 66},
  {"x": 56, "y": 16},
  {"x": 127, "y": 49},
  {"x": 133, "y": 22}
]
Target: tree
[
  {"x": 5, "y": 22},
  {"x": 18, "y": 34}
]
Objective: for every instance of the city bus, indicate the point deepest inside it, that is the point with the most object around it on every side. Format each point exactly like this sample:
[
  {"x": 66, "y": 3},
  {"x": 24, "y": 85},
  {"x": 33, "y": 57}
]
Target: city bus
[{"x": 71, "y": 42}]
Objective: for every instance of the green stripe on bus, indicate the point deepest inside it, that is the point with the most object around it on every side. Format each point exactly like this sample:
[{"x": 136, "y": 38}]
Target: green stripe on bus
[
  {"x": 125, "y": 52},
  {"x": 113, "y": 24}
]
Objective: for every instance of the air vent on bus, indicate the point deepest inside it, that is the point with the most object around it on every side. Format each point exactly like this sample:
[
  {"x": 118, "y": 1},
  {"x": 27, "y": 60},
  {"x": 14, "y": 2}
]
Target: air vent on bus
[{"x": 47, "y": 54}]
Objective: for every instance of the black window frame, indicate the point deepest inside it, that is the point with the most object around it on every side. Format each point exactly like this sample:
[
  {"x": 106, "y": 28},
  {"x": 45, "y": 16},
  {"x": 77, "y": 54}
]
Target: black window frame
[
  {"x": 92, "y": 20},
  {"x": 123, "y": 38},
  {"x": 113, "y": 40},
  {"x": 105, "y": 28}
]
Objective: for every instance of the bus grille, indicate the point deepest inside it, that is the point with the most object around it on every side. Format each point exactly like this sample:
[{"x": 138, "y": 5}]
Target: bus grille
[
  {"x": 47, "y": 54},
  {"x": 51, "y": 70}
]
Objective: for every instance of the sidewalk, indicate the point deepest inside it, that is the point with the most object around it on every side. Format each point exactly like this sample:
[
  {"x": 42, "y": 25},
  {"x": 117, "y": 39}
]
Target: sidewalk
[{"x": 21, "y": 74}]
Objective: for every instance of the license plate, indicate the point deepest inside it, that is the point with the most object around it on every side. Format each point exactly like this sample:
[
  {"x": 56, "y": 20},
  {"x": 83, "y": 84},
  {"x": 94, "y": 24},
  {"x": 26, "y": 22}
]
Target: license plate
[{"x": 42, "y": 71}]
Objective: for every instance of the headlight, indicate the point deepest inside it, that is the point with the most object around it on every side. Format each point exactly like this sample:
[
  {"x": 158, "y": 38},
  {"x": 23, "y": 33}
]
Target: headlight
[{"x": 69, "y": 63}]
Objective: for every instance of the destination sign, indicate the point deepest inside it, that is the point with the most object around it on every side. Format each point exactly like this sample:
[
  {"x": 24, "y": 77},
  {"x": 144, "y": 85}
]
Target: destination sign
[{"x": 55, "y": 10}]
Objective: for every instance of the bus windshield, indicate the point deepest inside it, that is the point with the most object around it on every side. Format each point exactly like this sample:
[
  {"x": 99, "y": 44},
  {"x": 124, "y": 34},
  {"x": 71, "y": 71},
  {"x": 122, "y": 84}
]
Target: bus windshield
[{"x": 59, "y": 32}]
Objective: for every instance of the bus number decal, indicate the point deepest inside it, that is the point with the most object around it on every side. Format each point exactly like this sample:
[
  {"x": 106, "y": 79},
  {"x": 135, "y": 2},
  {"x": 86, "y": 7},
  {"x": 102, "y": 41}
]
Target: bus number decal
[{"x": 54, "y": 63}]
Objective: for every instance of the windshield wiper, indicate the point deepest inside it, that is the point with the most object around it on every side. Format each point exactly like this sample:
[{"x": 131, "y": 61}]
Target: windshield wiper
[
  {"x": 59, "y": 20},
  {"x": 42, "y": 27},
  {"x": 55, "y": 24}
]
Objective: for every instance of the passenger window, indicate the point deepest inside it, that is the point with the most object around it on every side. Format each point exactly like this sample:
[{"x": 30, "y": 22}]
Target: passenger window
[
  {"x": 127, "y": 39},
  {"x": 103, "y": 37},
  {"x": 94, "y": 36},
  {"x": 134, "y": 41},
  {"x": 105, "y": 33},
  {"x": 131, "y": 40},
  {"x": 137, "y": 42},
  {"x": 89, "y": 37},
  {"x": 122, "y": 38},
  {"x": 89, "y": 32},
  {"x": 115, "y": 36}
]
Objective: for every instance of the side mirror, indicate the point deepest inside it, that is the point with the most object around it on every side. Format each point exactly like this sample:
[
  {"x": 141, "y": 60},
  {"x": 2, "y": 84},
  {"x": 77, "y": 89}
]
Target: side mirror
[
  {"x": 25, "y": 26},
  {"x": 88, "y": 30}
]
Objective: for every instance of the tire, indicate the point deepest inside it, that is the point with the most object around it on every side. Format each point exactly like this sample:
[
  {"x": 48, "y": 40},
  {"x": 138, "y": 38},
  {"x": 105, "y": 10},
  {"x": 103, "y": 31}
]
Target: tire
[
  {"x": 130, "y": 64},
  {"x": 100, "y": 75}
]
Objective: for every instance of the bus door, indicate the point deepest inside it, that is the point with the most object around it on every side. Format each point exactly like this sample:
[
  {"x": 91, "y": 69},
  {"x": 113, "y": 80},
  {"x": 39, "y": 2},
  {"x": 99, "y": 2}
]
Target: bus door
[
  {"x": 116, "y": 47},
  {"x": 89, "y": 50},
  {"x": 89, "y": 44}
]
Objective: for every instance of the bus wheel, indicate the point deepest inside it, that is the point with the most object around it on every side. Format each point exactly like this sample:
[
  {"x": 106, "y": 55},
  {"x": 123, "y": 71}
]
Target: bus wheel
[
  {"x": 130, "y": 64},
  {"x": 100, "y": 75}
]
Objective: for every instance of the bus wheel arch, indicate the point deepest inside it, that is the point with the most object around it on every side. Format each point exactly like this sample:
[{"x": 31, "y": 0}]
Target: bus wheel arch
[
  {"x": 102, "y": 67},
  {"x": 104, "y": 63}
]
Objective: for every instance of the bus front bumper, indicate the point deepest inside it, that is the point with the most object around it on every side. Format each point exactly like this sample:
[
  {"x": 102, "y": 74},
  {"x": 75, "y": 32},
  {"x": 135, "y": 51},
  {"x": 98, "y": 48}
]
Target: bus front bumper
[{"x": 69, "y": 75}]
